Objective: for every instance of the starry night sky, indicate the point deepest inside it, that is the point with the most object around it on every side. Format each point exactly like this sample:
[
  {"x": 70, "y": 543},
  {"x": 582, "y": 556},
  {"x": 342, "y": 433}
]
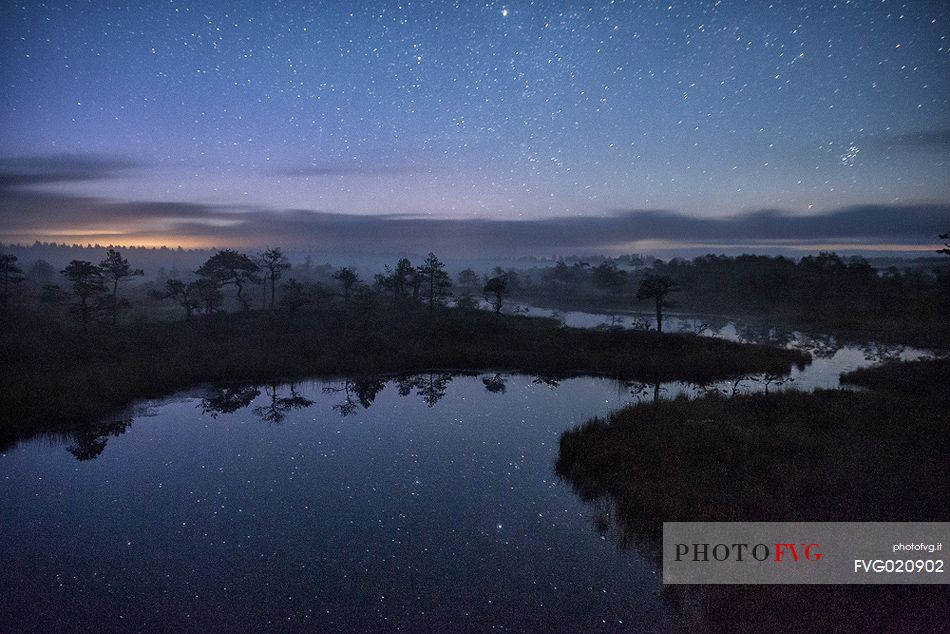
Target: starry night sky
[{"x": 468, "y": 110}]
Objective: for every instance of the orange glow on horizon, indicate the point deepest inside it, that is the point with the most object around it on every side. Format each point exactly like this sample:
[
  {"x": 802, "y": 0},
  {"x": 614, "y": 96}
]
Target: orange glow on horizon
[{"x": 122, "y": 239}]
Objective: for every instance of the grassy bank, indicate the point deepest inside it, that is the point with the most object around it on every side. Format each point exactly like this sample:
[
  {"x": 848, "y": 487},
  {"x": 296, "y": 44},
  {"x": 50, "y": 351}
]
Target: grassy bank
[
  {"x": 831, "y": 455},
  {"x": 55, "y": 374},
  {"x": 827, "y": 456},
  {"x": 911, "y": 378}
]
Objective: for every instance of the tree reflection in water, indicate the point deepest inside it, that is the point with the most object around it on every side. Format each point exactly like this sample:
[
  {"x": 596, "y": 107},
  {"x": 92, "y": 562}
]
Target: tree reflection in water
[
  {"x": 818, "y": 346},
  {"x": 89, "y": 442},
  {"x": 877, "y": 352},
  {"x": 546, "y": 379},
  {"x": 277, "y": 408},
  {"x": 349, "y": 404},
  {"x": 496, "y": 384},
  {"x": 759, "y": 332},
  {"x": 228, "y": 399},
  {"x": 366, "y": 389},
  {"x": 430, "y": 386},
  {"x": 640, "y": 390},
  {"x": 356, "y": 393}
]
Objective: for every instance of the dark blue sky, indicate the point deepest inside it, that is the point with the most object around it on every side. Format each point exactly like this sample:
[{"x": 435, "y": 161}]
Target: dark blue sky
[{"x": 518, "y": 110}]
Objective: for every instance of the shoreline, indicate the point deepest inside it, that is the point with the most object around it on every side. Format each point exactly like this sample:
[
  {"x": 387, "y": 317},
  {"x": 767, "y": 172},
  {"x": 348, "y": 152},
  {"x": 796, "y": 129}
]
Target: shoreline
[{"x": 57, "y": 373}]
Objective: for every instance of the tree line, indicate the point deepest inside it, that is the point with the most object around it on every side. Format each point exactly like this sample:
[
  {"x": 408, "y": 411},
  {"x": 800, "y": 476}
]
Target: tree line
[
  {"x": 828, "y": 284},
  {"x": 93, "y": 290},
  {"x": 821, "y": 286},
  {"x": 95, "y": 286}
]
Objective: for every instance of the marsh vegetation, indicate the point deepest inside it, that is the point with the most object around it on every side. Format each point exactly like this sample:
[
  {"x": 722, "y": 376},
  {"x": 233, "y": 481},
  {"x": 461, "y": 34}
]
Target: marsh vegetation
[{"x": 877, "y": 455}]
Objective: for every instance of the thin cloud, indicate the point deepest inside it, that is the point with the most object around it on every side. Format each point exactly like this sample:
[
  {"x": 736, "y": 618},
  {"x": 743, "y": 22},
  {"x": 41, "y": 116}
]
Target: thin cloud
[
  {"x": 26, "y": 215},
  {"x": 29, "y": 171}
]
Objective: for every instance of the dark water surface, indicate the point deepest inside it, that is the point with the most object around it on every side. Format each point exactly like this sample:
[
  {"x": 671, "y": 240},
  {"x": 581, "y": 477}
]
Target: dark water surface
[
  {"x": 422, "y": 504},
  {"x": 399, "y": 516}
]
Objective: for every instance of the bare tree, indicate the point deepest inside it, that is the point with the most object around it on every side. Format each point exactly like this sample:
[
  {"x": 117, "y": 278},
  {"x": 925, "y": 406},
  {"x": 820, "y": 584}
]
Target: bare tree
[
  {"x": 275, "y": 263},
  {"x": 11, "y": 276},
  {"x": 115, "y": 268},
  {"x": 398, "y": 281},
  {"x": 231, "y": 267},
  {"x": 495, "y": 290},
  {"x": 657, "y": 287},
  {"x": 435, "y": 281},
  {"x": 348, "y": 280},
  {"x": 86, "y": 279},
  {"x": 185, "y": 294}
]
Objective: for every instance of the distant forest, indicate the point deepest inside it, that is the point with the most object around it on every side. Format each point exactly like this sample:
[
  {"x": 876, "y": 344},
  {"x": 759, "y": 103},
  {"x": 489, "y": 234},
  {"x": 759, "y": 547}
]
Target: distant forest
[
  {"x": 112, "y": 285},
  {"x": 170, "y": 259}
]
